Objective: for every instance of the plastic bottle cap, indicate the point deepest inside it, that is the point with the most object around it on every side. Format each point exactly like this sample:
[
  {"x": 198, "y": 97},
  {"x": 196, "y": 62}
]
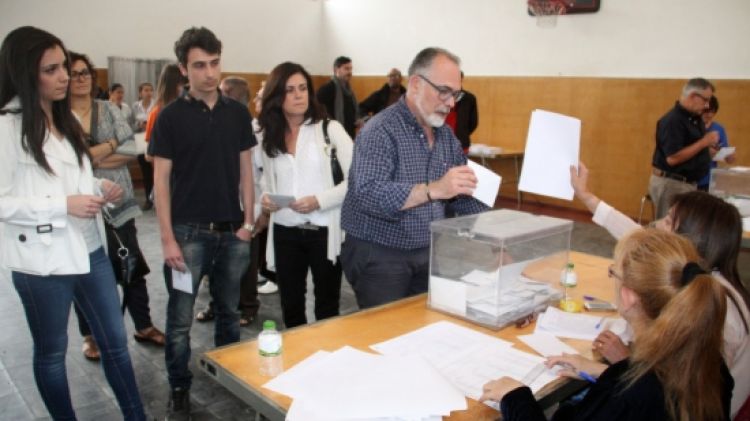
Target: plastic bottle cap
[
  {"x": 269, "y": 325},
  {"x": 570, "y": 266}
]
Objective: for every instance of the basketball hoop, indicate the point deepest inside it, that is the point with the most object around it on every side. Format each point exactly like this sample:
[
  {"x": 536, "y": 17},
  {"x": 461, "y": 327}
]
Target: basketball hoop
[{"x": 546, "y": 12}]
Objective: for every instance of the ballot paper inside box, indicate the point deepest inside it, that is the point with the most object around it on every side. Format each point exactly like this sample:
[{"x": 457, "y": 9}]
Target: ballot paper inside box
[{"x": 497, "y": 267}]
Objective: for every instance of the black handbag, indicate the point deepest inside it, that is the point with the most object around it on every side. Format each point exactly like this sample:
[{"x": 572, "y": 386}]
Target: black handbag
[
  {"x": 338, "y": 174},
  {"x": 128, "y": 262}
]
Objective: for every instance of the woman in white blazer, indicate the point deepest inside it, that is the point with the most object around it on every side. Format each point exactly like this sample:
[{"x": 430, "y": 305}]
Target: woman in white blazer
[
  {"x": 53, "y": 236},
  {"x": 306, "y": 233}
]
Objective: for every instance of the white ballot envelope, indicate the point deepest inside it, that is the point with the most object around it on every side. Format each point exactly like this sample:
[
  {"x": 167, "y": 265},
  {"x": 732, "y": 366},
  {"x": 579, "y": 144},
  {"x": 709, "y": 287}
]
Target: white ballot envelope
[
  {"x": 488, "y": 184},
  {"x": 182, "y": 281},
  {"x": 724, "y": 152},
  {"x": 281, "y": 200}
]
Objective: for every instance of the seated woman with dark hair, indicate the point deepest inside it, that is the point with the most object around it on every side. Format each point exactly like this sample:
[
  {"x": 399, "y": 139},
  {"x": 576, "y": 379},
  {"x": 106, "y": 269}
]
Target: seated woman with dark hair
[
  {"x": 676, "y": 371},
  {"x": 715, "y": 228}
]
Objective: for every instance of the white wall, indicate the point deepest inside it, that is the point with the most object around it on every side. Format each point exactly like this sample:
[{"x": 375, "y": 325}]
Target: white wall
[
  {"x": 626, "y": 38},
  {"x": 256, "y": 34}
]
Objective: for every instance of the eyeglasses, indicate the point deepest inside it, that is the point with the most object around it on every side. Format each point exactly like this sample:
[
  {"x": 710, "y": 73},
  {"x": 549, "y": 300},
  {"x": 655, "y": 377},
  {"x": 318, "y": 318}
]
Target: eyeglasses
[
  {"x": 612, "y": 274},
  {"x": 444, "y": 92},
  {"x": 82, "y": 75},
  {"x": 702, "y": 97}
]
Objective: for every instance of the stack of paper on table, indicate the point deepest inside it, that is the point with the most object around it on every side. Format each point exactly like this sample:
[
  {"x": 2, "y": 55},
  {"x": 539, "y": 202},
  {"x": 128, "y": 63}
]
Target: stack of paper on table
[
  {"x": 468, "y": 358},
  {"x": 580, "y": 326},
  {"x": 349, "y": 385}
]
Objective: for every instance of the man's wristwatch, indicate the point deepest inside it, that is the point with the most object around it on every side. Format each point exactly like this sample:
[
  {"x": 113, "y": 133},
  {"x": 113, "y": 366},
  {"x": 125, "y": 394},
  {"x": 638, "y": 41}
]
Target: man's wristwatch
[{"x": 248, "y": 227}]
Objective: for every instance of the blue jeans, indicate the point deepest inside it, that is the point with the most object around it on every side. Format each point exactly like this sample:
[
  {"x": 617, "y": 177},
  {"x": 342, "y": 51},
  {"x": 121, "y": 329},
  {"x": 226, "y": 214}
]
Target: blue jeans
[
  {"x": 224, "y": 258},
  {"x": 47, "y": 300}
]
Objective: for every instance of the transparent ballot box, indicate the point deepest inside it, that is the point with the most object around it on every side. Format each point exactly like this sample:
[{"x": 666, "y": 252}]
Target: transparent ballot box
[
  {"x": 728, "y": 182},
  {"x": 732, "y": 185},
  {"x": 497, "y": 267}
]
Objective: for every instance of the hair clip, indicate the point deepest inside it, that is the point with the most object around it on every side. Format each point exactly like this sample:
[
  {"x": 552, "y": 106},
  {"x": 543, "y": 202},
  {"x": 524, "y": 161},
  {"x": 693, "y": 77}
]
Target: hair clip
[{"x": 690, "y": 271}]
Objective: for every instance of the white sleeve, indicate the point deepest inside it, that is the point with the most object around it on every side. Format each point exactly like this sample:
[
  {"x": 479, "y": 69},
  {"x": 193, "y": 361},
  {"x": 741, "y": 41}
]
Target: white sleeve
[{"x": 617, "y": 223}]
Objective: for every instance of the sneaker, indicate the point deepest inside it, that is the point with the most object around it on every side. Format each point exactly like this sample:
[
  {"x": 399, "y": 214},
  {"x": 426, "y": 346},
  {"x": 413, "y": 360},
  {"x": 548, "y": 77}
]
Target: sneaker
[
  {"x": 269, "y": 287},
  {"x": 179, "y": 405}
]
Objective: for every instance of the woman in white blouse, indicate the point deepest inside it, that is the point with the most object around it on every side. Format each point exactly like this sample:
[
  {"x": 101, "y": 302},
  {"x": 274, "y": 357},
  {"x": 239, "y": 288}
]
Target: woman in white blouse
[
  {"x": 715, "y": 228},
  {"x": 306, "y": 233}
]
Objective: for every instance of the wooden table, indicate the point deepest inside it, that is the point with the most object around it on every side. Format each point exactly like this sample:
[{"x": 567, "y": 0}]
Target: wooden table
[
  {"x": 517, "y": 156},
  {"x": 236, "y": 366}
]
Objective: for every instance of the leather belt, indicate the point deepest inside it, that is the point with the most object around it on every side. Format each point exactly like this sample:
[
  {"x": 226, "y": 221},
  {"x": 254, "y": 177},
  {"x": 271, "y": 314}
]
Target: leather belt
[
  {"x": 217, "y": 226},
  {"x": 309, "y": 226},
  {"x": 661, "y": 173}
]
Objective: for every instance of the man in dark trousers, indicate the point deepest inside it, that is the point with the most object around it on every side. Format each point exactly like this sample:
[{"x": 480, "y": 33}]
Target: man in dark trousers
[
  {"x": 202, "y": 169},
  {"x": 338, "y": 98},
  {"x": 683, "y": 150}
]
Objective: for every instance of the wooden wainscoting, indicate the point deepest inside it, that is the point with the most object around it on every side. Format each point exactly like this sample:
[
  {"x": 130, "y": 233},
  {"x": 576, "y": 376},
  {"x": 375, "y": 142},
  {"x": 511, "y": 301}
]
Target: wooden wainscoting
[{"x": 618, "y": 122}]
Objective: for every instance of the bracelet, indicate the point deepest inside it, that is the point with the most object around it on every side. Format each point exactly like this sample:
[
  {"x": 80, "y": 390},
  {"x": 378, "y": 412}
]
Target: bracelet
[
  {"x": 111, "y": 147},
  {"x": 427, "y": 190}
]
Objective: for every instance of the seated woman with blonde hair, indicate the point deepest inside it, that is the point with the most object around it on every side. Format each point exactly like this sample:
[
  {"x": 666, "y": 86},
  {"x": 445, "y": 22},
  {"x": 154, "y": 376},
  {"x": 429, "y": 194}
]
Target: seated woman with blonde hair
[
  {"x": 675, "y": 371},
  {"x": 715, "y": 229}
]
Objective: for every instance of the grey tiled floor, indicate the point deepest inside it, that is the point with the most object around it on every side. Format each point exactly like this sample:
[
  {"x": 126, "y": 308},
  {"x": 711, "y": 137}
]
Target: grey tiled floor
[{"x": 92, "y": 397}]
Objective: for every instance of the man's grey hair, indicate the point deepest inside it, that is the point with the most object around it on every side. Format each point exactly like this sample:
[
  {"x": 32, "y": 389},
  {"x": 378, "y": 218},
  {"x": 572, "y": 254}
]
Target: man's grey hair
[
  {"x": 237, "y": 89},
  {"x": 423, "y": 61},
  {"x": 697, "y": 84}
]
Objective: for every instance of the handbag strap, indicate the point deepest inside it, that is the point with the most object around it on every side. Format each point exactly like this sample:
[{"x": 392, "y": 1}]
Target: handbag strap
[
  {"x": 325, "y": 131},
  {"x": 122, "y": 251}
]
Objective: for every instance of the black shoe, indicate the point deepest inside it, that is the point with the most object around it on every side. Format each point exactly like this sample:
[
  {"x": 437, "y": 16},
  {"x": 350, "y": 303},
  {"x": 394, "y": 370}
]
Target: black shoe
[{"x": 179, "y": 405}]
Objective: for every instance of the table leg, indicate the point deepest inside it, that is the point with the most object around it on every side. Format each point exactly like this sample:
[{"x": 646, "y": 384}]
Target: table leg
[{"x": 518, "y": 181}]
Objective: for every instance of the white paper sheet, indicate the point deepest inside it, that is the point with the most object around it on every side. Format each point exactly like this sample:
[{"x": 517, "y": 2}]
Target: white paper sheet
[
  {"x": 182, "y": 281},
  {"x": 437, "y": 341},
  {"x": 291, "y": 381},
  {"x": 472, "y": 368},
  {"x": 546, "y": 344},
  {"x": 448, "y": 295},
  {"x": 724, "y": 152},
  {"x": 467, "y": 358},
  {"x": 552, "y": 146},
  {"x": 332, "y": 387},
  {"x": 281, "y": 200},
  {"x": 488, "y": 184},
  {"x": 578, "y": 326},
  {"x": 301, "y": 411}
]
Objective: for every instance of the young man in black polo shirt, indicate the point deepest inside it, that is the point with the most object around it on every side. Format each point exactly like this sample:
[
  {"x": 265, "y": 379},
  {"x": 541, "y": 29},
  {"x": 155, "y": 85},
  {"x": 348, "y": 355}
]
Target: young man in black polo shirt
[
  {"x": 683, "y": 148},
  {"x": 202, "y": 167}
]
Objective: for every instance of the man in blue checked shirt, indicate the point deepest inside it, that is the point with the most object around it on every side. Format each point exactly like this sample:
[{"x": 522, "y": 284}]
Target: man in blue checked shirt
[{"x": 408, "y": 168}]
